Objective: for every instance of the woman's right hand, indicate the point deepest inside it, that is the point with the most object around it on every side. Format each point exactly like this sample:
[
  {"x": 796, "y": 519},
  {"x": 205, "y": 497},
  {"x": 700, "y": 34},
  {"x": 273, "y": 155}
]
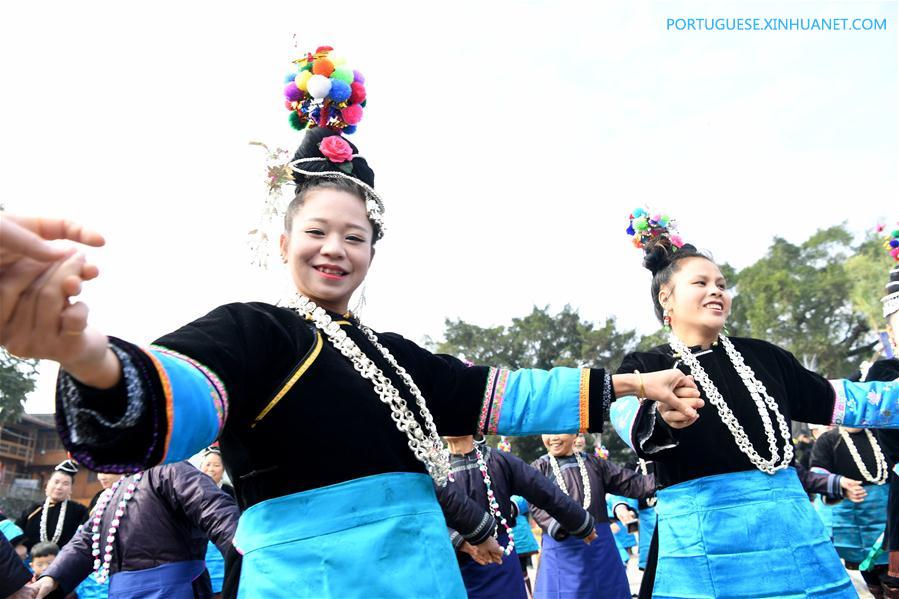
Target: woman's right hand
[
  {"x": 44, "y": 586},
  {"x": 44, "y": 325}
]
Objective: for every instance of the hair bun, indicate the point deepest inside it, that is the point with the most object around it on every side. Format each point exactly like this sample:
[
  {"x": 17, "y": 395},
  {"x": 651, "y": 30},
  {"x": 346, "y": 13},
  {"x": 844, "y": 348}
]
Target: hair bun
[{"x": 656, "y": 256}]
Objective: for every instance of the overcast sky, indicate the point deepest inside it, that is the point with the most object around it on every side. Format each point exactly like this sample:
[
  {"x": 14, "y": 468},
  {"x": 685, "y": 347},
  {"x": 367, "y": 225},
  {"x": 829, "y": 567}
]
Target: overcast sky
[{"x": 510, "y": 141}]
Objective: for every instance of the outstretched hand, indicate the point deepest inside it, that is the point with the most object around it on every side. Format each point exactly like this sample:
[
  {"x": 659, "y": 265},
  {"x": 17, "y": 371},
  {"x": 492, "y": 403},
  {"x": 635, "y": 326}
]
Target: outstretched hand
[
  {"x": 43, "y": 587},
  {"x": 677, "y": 396},
  {"x": 27, "y": 237}
]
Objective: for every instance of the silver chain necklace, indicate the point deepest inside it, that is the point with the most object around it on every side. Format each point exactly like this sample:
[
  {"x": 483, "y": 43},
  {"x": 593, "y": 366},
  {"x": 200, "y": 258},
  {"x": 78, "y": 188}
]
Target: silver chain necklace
[
  {"x": 584, "y": 478},
  {"x": 763, "y": 403},
  {"x": 883, "y": 470},
  {"x": 59, "y": 521},
  {"x": 427, "y": 447}
]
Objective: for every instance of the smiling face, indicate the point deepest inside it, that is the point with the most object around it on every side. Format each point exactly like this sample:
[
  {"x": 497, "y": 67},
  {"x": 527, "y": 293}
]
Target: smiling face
[
  {"x": 328, "y": 249},
  {"x": 697, "y": 300},
  {"x": 59, "y": 487},
  {"x": 212, "y": 466},
  {"x": 559, "y": 445}
]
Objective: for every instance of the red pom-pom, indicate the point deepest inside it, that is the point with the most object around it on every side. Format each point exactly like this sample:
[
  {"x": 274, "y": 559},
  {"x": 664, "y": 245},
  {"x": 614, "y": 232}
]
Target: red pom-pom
[
  {"x": 358, "y": 94},
  {"x": 322, "y": 66},
  {"x": 289, "y": 105},
  {"x": 323, "y": 49},
  {"x": 352, "y": 114}
]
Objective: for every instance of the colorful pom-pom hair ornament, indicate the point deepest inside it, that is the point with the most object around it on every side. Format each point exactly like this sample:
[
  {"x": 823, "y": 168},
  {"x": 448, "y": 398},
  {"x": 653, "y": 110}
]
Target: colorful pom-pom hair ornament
[
  {"x": 891, "y": 245},
  {"x": 326, "y": 98},
  {"x": 322, "y": 90},
  {"x": 504, "y": 444},
  {"x": 645, "y": 227}
]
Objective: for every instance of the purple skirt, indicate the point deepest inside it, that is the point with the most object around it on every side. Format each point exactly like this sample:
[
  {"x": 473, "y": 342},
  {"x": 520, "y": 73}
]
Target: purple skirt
[
  {"x": 571, "y": 569},
  {"x": 505, "y": 581}
]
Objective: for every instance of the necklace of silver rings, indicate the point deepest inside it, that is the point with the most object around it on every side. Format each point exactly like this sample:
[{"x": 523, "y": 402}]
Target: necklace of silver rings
[
  {"x": 426, "y": 445},
  {"x": 557, "y": 472},
  {"x": 883, "y": 471},
  {"x": 59, "y": 521},
  {"x": 760, "y": 397}
]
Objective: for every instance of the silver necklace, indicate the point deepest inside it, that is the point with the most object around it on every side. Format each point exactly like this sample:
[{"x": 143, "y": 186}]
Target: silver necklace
[
  {"x": 763, "y": 403},
  {"x": 883, "y": 470},
  {"x": 557, "y": 472},
  {"x": 59, "y": 522},
  {"x": 494, "y": 504},
  {"x": 427, "y": 446}
]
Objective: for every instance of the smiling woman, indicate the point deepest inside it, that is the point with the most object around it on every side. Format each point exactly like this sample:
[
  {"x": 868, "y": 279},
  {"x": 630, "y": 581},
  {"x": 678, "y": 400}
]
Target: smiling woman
[
  {"x": 257, "y": 376},
  {"x": 732, "y": 505}
]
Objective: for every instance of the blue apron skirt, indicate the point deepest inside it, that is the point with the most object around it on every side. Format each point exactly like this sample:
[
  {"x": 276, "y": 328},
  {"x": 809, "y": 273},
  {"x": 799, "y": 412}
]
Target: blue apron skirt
[
  {"x": 168, "y": 581},
  {"x": 647, "y": 528},
  {"x": 857, "y": 526},
  {"x": 378, "y": 537},
  {"x": 503, "y": 581},
  {"x": 744, "y": 535},
  {"x": 215, "y": 565},
  {"x": 571, "y": 569}
]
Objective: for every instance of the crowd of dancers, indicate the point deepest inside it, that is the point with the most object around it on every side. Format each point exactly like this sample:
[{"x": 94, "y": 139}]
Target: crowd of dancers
[{"x": 390, "y": 511}]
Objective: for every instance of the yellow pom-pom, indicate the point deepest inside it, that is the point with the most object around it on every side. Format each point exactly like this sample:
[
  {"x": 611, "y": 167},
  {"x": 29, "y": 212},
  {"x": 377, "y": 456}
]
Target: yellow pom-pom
[
  {"x": 302, "y": 79},
  {"x": 337, "y": 59}
]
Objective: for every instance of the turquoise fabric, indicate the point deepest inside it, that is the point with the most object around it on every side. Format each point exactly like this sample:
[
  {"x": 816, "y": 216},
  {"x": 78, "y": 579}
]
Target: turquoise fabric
[
  {"x": 10, "y": 530},
  {"x": 91, "y": 589},
  {"x": 825, "y": 512},
  {"x": 215, "y": 565},
  {"x": 744, "y": 535},
  {"x": 647, "y": 529},
  {"x": 194, "y": 421},
  {"x": 622, "y": 414},
  {"x": 524, "y": 538},
  {"x": 857, "y": 526},
  {"x": 540, "y": 401},
  {"x": 381, "y": 536},
  {"x": 623, "y": 538},
  {"x": 873, "y": 404}
]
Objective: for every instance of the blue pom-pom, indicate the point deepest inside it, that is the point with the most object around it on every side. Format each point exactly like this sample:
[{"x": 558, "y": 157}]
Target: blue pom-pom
[
  {"x": 894, "y": 243},
  {"x": 639, "y": 212},
  {"x": 349, "y": 129},
  {"x": 630, "y": 230},
  {"x": 289, "y": 77},
  {"x": 340, "y": 91},
  {"x": 316, "y": 114}
]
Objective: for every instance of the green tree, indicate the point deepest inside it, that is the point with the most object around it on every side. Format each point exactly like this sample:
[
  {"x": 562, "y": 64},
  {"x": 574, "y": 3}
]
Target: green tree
[
  {"x": 543, "y": 340},
  {"x": 798, "y": 296},
  {"x": 16, "y": 382}
]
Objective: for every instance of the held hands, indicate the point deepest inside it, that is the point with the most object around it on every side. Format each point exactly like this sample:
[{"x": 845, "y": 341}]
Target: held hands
[
  {"x": 590, "y": 538},
  {"x": 26, "y": 237},
  {"x": 624, "y": 515},
  {"x": 677, "y": 396},
  {"x": 488, "y": 552},
  {"x": 853, "y": 490},
  {"x": 42, "y": 587}
]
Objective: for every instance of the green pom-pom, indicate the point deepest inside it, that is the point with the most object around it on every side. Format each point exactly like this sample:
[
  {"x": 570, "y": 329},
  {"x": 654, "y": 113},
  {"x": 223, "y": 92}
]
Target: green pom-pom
[
  {"x": 640, "y": 224},
  {"x": 896, "y": 233},
  {"x": 296, "y": 122},
  {"x": 344, "y": 74}
]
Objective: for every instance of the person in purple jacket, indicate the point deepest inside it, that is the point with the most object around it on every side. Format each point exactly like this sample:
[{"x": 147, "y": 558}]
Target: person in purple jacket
[
  {"x": 148, "y": 535},
  {"x": 568, "y": 568},
  {"x": 490, "y": 477}
]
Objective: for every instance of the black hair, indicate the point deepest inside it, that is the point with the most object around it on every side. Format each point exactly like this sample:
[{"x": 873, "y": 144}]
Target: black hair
[
  {"x": 663, "y": 260},
  {"x": 357, "y": 169},
  {"x": 44, "y": 549}
]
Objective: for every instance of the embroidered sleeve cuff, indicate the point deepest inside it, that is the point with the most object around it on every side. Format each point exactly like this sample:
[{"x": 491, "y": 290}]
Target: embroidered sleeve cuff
[
  {"x": 484, "y": 529},
  {"x": 113, "y": 430},
  {"x": 652, "y": 432},
  {"x": 584, "y": 531},
  {"x": 456, "y": 539}
]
